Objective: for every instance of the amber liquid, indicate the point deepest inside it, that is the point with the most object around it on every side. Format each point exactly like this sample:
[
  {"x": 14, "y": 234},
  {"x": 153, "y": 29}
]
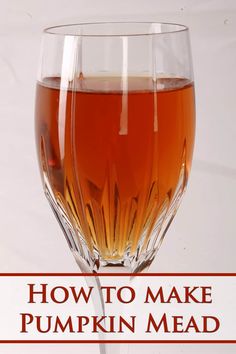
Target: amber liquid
[{"x": 113, "y": 158}]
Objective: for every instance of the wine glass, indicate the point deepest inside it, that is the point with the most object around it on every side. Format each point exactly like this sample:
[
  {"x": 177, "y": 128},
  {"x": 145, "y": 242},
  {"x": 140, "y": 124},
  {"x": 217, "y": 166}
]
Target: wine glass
[
  {"x": 114, "y": 132},
  {"x": 115, "y": 121}
]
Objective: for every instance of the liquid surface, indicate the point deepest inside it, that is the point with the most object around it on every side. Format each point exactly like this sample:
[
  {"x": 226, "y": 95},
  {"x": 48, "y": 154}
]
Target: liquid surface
[{"x": 113, "y": 153}]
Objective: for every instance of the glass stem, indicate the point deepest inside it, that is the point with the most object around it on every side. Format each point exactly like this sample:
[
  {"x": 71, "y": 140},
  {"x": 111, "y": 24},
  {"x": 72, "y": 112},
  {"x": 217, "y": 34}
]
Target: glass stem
[
  {"x": 112, "y": 348},
  {"x": 100, "y": 306}
]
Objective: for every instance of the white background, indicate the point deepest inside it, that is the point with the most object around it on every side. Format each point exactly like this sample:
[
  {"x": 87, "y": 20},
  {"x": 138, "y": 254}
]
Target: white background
[{"x": 202, "y": 237}]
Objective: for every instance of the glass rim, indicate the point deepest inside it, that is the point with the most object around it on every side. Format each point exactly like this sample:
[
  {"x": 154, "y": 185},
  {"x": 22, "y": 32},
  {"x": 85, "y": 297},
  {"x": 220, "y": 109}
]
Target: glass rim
[{"x": 174, "y": 28}]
